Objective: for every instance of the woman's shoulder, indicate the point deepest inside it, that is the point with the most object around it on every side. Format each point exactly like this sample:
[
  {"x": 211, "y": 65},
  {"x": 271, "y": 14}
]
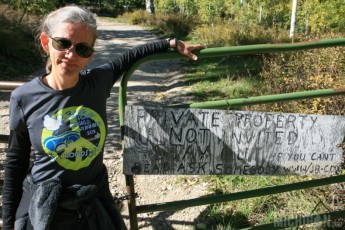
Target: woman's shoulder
[{"x": 27, "y": 88}]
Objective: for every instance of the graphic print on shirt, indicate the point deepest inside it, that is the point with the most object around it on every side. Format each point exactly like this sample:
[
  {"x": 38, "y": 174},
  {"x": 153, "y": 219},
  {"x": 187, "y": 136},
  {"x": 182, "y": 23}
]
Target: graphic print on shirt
[{"x": 73, "y": 137}]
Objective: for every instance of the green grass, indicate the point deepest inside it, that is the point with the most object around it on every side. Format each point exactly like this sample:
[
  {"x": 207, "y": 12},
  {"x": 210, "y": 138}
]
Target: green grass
[
  {"x": 223, "y": 78},
  {"x": 265, "y": 209}
]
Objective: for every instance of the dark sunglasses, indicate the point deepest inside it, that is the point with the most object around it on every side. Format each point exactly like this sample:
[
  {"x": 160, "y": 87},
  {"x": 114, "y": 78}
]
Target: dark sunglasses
[{"x": 82, "y": 49}]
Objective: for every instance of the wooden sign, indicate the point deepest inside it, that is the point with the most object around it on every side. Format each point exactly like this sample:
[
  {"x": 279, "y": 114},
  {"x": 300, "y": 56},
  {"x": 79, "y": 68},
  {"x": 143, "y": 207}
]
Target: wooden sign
[{"x": 204, "y": 142}]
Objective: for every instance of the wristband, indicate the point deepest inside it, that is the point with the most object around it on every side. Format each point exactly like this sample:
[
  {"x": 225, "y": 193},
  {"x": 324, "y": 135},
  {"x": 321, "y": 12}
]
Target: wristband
[{"x": 176, "y": 43}]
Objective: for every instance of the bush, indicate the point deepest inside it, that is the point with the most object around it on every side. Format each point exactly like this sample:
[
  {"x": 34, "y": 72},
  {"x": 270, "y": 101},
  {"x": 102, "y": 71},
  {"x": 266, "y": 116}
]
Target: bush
[
  {"x": 19, "y": 54},
  {"x": 138, "y": 17},
  {"x": 178, "y": 25},
  {"x": 231, "y": 33},
  {"x": 304, "y": 71},
  {"x": 168, "y": 24}
]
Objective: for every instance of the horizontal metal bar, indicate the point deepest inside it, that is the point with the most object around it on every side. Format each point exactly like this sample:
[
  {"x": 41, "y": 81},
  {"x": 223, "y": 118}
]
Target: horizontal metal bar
[
  {"x": 10, "y": 85},
  {"x": 272, "y": 48},
  {"x": 3, "y": 138},
  {"x": 246, "y": 49},
  {"x": 303, "y": 220},
  {"x": 177, "y": 205},
  {"x": 264, "y": 99}
]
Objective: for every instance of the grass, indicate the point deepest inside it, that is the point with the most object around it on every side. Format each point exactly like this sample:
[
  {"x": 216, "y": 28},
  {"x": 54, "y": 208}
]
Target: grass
[
  {"x": 266, "y": 209},
  {"x": 223, "y": 78}
]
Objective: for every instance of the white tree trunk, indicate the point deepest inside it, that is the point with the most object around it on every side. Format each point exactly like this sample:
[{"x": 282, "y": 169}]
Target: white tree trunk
[
  {"x": 260, "y": 12},
  {"x": 293, "y": 18},
  {"x": 307, "y": 23},
  {"x": 150, "y": 6}
]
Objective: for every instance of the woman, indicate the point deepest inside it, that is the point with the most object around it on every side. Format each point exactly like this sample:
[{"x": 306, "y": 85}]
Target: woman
[{"x": 61, "y": 118}]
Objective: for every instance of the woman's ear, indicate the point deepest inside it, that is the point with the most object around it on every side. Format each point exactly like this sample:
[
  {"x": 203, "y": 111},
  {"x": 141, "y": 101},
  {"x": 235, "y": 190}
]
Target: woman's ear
[{"x": 44, "y": 38}]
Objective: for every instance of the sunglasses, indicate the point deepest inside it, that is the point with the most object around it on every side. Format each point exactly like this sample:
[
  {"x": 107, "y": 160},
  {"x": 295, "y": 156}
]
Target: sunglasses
[{"x": 82, "y": 49}]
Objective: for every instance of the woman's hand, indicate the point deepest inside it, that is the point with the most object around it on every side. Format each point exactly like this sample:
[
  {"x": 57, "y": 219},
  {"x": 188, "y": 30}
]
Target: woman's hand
[{"x": 187, "y": 49}]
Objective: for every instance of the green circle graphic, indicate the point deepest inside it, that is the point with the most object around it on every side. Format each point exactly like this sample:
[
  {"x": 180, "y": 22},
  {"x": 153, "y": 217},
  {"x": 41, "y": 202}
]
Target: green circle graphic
[{"x": 73, "y": 137}]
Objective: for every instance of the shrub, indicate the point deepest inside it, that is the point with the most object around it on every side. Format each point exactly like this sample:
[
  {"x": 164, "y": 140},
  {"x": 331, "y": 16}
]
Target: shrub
[
  {"x": 137, "y": 17},
  {"x": 304, "y": 71},
  {"x": 18, "y": 46},
  {"x": 176, "y": 24},
  {"x": 231, "y": 32},
  {"x": 166, "y": 24}
]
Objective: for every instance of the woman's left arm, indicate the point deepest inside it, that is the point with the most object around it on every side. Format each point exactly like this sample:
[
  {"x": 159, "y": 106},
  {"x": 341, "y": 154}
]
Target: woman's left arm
[{"x": 122, "y": 63}]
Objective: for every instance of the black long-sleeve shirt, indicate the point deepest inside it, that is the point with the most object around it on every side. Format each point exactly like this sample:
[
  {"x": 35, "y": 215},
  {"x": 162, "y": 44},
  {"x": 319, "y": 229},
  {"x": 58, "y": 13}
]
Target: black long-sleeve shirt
[{"x": 66, "y": 129}]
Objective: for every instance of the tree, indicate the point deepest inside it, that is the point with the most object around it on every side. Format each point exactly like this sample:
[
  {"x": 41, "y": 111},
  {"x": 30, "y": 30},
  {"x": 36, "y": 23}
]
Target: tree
[
  {"x": 33, "y": 7},
  {"x": 188, "y": 7},
  {"x": 293, "y": 18},
  {"x": 150, "y": 6}
]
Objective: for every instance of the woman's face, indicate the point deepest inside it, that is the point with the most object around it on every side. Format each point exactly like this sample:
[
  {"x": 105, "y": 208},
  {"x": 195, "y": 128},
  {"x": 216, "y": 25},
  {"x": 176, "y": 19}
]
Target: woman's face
[{"x": 68, "y": 63}]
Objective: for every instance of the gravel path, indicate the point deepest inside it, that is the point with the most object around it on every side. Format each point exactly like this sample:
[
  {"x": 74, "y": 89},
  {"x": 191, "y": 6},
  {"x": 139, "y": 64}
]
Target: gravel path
[{"x": 155, "y": 82}]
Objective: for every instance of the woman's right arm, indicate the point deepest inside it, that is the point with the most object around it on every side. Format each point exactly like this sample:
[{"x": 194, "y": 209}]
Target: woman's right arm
[
  {"x": 16, "y": 164},
  {"x": 16, "y": 167}
]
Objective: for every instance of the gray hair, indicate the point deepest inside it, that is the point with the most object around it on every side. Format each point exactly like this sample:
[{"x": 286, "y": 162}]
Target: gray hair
[{"x": 71, "y": 14}]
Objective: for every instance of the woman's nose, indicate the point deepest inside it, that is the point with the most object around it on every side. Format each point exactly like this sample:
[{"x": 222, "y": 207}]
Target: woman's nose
[{"x": 71, "y": 51}]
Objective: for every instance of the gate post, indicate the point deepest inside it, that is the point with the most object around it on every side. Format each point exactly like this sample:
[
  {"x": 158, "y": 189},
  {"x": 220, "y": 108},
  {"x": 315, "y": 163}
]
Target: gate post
[{"x": 133, "y": 219}]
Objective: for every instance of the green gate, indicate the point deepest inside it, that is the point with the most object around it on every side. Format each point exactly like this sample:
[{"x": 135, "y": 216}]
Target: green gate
[{"x": 226, "y": 51}]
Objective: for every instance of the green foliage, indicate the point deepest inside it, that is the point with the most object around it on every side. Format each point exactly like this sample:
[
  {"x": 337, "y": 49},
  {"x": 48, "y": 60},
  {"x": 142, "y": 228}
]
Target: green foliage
[
  {"x": 313, "y": 16},
  {"x": 165, "y": 24},
  {"x": 18, "y": 52},
  {"x": 132, "y": 5},
  {"x": 223, "y": 78},
  {"x": 188, "y": 7},
  {"x": 326, "y": 16},
  {"x": 232, "y": 33},
  {"x": 208, "y": 10},
  {"x": 138, "y": 17},
  {"x": 34, "y": 6},
  {"x": 176, "y": 25},
  {"x": 165, "y": 6},
  {"x": 276, "y": 13},
  {"x": 303, "y": 71}
]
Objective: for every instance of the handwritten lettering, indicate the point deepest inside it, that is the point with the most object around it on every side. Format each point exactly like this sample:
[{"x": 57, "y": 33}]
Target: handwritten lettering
[{"x": 204, "y": 142}]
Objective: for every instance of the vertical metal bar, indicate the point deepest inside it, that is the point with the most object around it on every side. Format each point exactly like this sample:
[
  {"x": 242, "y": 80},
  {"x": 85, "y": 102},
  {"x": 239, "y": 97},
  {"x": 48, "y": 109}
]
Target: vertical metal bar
[
  {"x": 123, "y": 96},
  {"x": 122, "y": 100},
  {"x": 133, "y": 219}
]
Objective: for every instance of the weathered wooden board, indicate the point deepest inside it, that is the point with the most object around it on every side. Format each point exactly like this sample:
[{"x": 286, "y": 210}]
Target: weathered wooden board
[{"x": 204, "y": 142}]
